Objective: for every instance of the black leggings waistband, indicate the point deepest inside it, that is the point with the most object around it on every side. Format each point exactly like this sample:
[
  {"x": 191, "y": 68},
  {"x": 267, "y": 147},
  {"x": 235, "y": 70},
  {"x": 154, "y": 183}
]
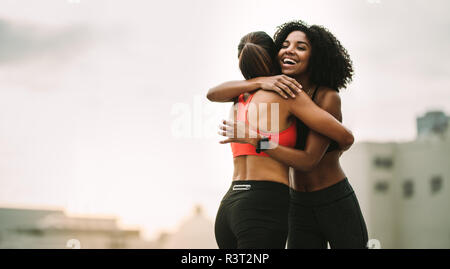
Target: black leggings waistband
[
  {"x": 257, "y": 190},
  {"x": 258, "y": 185},
  {"x": 323, "y": 196}
]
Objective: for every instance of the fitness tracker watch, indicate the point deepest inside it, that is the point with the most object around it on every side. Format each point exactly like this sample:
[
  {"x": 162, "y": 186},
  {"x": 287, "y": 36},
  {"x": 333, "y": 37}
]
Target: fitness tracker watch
[{"x": 262, "y": 144}]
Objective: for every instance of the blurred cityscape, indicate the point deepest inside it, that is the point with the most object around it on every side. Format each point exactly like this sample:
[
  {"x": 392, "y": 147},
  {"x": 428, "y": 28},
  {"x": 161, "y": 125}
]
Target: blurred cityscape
[
  {"x": 402, "y": 189},
  {"x": 53, "y": 229}
]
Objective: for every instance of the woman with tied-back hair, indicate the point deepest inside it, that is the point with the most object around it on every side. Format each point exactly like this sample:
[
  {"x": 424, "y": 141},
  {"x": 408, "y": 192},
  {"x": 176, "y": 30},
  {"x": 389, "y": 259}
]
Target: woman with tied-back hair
[{"x": 254, "y": 211}]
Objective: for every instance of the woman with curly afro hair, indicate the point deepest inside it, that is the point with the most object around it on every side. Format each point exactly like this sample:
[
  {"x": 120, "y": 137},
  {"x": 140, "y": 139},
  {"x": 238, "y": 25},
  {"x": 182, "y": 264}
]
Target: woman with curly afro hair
[{"x": 323, "y": 208}]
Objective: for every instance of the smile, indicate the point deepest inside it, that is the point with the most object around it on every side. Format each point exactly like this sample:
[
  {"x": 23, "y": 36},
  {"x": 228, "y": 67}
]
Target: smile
[{"x": 289, "y": 61}]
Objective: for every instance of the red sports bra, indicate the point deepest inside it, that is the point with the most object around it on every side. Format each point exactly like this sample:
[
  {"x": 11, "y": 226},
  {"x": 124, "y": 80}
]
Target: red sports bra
[{"x": 287, "y": 137}]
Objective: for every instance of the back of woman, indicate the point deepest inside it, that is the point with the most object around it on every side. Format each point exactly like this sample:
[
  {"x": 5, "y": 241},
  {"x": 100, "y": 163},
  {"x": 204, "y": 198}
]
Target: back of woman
[
  {"x": 254, "y": 211},
  {"x": 267, "y": 113}
]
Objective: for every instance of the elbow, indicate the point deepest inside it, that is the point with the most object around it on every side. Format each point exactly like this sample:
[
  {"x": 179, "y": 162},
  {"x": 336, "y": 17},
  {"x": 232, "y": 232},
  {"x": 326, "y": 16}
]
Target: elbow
[
  {"x": 210, "y": 95},
  {"x": 213, "y": 96},
  {"x": 348, "y": 141}
]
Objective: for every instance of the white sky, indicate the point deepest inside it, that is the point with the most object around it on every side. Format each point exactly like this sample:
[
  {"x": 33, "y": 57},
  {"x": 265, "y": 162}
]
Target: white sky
[{"x": 92, "y": 94}]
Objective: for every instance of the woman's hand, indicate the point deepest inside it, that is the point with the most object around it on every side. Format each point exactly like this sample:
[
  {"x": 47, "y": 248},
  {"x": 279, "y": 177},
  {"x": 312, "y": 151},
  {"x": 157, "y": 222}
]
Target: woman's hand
[
  {"x": 281, "y": 84},
  {"x": 238, "y": 132}
]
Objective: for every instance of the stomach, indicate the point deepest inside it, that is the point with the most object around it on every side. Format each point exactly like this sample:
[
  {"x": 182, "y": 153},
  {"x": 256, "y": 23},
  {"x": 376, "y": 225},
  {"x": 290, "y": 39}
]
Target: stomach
[
  {"x": 327, "y": 173},
  {"x": 252, "y": 167}
]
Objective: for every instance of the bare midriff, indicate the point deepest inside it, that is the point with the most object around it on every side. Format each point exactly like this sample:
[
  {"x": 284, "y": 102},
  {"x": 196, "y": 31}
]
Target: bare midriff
[{"x": 327, "y": 173}]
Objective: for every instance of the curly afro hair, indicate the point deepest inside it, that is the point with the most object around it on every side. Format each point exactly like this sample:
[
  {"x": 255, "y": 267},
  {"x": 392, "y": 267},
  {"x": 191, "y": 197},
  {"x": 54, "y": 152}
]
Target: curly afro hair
[{"x": 329, "y": 64}]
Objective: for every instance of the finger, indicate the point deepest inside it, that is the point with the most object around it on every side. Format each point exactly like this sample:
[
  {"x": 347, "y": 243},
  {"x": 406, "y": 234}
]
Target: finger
[
  {"x": 280, "y": 92},
  {"x": 231, "y": 124},
  {"x": 292, "y": 86},
  {"x": 228, "y": 122},
  {"x": 226, "y": 134},
  {"x": 226, "y": 129},
  {"x": 226, "y": 141},
  {"x": 222, "y": 128},
  {"x": 294, "y": 81},
  {"x": 285, "y": 89}
]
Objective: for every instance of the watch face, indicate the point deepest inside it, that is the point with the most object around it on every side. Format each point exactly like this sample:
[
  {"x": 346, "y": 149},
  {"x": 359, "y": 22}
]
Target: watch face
[{"x": 265, "y": 144}]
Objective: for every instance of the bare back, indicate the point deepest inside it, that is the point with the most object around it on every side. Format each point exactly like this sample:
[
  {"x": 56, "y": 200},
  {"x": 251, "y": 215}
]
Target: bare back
[{"x": 250, "y": 167}]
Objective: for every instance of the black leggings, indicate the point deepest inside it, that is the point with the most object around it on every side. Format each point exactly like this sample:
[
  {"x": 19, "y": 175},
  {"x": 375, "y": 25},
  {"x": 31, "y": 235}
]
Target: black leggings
[
  {"x": 329, "y": 215},
  {"x": 253, "y": 217}
]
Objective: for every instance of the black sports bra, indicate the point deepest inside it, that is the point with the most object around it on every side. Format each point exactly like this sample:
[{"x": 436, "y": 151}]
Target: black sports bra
[{"x": 302, "y": 131}]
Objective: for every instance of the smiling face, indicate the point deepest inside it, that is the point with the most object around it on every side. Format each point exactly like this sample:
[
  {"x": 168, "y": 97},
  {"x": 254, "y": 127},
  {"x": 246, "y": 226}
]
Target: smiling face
[{"x": 294, "y": 54}]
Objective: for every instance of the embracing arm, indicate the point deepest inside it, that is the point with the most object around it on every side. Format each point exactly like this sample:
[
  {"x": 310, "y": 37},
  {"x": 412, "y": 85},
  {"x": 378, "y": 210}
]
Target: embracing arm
[
  {"x": 316, "y": 144},
  {"x": 228, "y": 91},
  {"x": 302, "y": 160},
  {"x": 320, "y": 120}
]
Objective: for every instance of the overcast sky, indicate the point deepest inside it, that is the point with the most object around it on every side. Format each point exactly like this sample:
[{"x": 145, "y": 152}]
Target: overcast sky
[{"x": 103, "y": 108}]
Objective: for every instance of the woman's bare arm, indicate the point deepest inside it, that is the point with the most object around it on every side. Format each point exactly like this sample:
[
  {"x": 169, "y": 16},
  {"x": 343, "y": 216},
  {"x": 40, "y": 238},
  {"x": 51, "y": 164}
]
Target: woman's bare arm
[
  {"x": 316, "y": 144},
  {"x": 303, "y": 160},
  {"x": 228, "y": 91},
  {"x": 320, "y": 120}
]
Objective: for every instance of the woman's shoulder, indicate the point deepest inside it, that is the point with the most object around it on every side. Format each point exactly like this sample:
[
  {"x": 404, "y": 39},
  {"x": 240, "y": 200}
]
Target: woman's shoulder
[
  {"x": 327, "y": 95},
  {"x": 268, "y": 97}
]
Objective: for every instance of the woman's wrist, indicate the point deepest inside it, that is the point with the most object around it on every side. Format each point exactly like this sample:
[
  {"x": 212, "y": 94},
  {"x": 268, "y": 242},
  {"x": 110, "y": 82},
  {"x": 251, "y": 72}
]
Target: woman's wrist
[
  {"x": 265, "y": 143},
  {"x": 254, "y": 141},
  {"x": 255, "y": 83}
]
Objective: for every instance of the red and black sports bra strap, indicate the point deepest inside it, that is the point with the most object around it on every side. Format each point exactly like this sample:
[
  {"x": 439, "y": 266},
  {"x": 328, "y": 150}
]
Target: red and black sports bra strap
[
  {"x": 245, "y": 106},
  {"x": 241, "y": 98}
]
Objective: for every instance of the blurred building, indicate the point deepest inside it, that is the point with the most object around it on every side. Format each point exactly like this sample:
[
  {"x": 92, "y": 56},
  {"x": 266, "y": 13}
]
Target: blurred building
[
  {"x": 196, "y": 232},
  {"x": 52, "y": 229},
  {"x": 403, "y": 188},
  {"x": 433, "y": 123}
]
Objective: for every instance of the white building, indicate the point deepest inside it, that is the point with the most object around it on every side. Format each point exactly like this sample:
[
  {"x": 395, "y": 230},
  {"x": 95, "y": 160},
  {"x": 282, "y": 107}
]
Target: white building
[
  {"x": 52, "y": 229},
  {"x": 196, "y": 232},
  {"x": 403, "y": 188},
  {"x": 24, "y": 228}
]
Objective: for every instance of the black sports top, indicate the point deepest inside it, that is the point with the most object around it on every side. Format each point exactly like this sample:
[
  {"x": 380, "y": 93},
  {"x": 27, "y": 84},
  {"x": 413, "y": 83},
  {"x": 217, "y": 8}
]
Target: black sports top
[{"x": 303, "y": 130}]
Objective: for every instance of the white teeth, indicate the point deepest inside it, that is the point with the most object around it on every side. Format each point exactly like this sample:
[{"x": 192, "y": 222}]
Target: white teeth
[{"x": 289, "y": 61}]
